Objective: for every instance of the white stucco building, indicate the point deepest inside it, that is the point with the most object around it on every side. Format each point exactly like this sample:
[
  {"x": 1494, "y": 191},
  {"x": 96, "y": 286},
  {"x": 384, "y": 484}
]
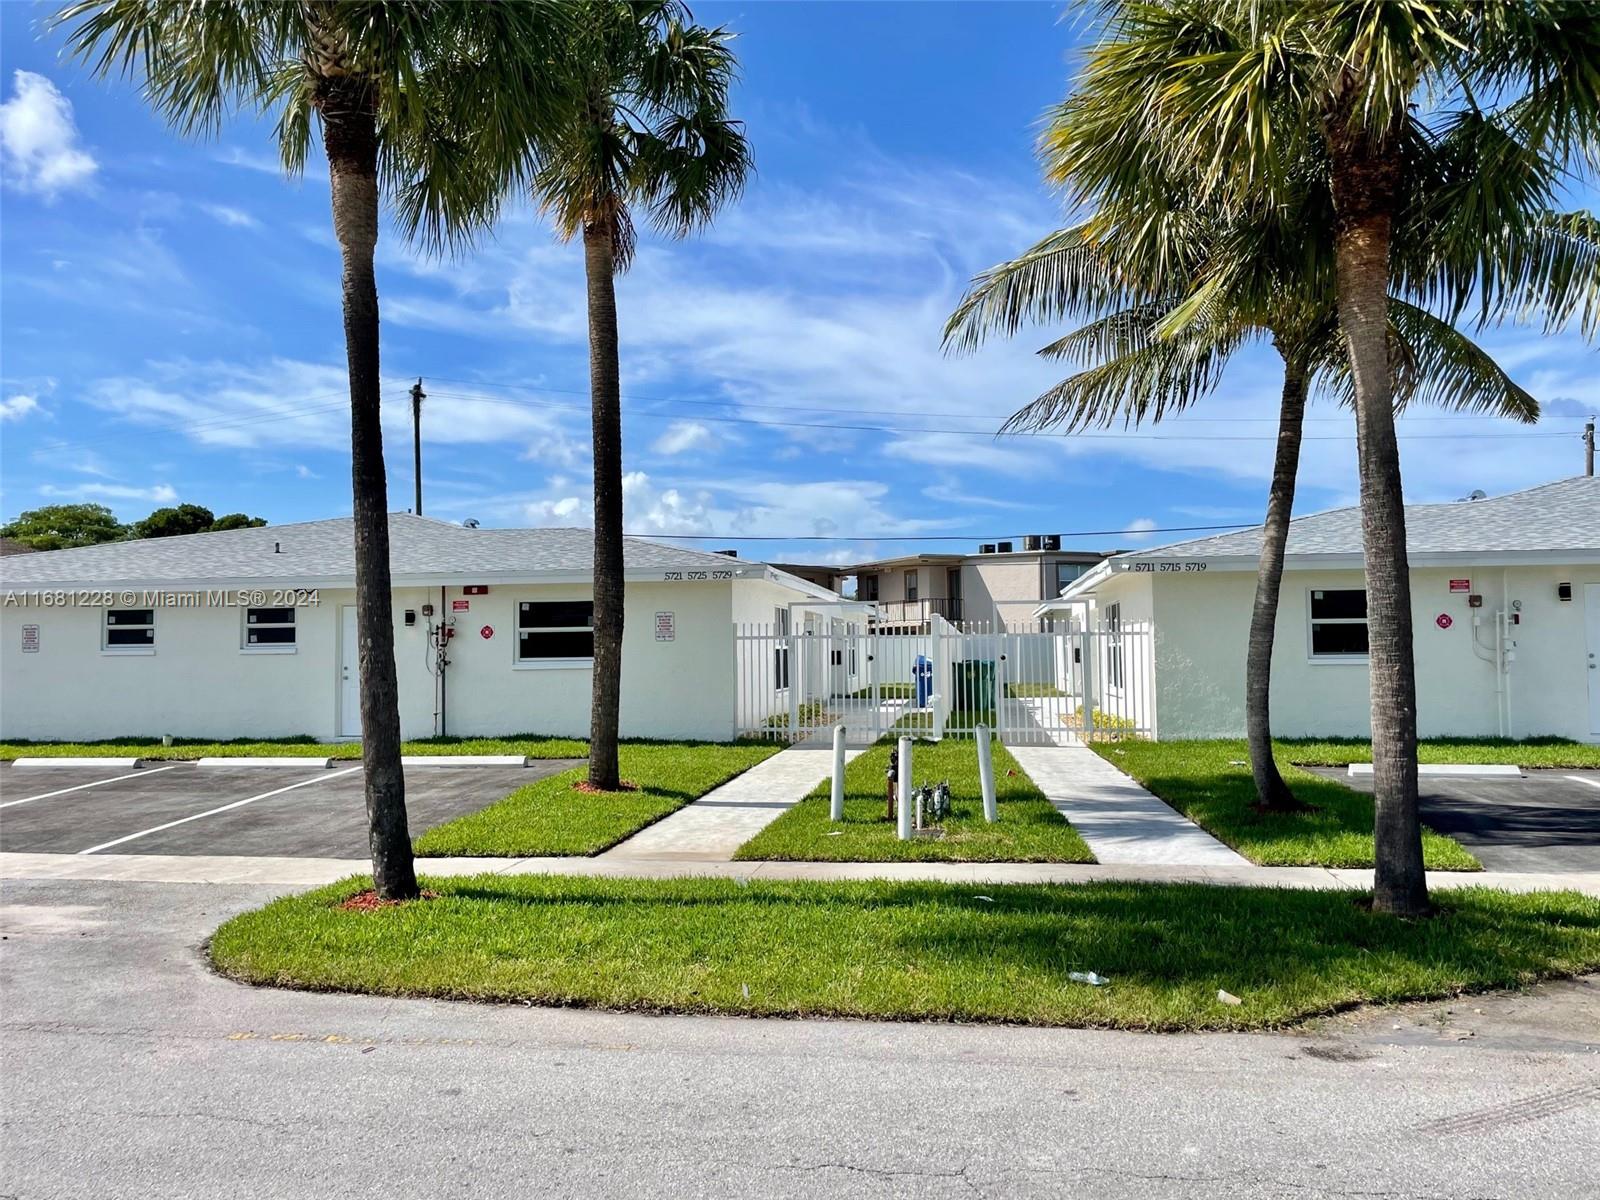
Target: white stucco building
[
  {"x": 251, "y": 633},
  {"x": 1505, "y": 603}
]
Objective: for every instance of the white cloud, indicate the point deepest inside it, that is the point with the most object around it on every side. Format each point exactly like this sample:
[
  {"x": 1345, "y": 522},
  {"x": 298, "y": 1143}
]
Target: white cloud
[
  {"x": 250, "y": 160},
  {"x": 304, "y": 472},
  {"x": 1138, "y": 529},
  {"x": 683, "y": 436},
  {"x": 14, "y": 408},
  {"x": 160, "y": 493},
  {"x": 226, "y": 214},
  {"x": 39, "y": 139}
]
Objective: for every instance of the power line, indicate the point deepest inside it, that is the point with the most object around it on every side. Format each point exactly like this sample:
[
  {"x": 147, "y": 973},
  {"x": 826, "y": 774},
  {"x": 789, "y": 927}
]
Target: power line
[
  {"x": 884, "y": 412},
  {"x": 904, "y": 429},
  {"x": 923, "y": 537}
]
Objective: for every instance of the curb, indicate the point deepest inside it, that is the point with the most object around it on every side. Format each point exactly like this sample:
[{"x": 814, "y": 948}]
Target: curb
[
  {"x": 1485, "y": 769},
  {"x": 122, "y": 764},
  {"x": 289, "y": 761},
  {"x": 463, "y": 760}
]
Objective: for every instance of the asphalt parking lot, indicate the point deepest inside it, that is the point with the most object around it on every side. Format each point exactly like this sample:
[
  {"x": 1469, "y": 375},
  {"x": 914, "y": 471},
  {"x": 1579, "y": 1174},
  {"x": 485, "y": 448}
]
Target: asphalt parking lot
[
  {"x": 311, "y": 812},
  {"x": 1546, "y": 820}
]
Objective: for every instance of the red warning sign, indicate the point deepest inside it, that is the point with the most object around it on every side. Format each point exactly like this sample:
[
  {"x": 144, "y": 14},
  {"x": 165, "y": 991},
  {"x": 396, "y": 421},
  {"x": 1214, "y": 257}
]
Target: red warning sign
[
  {"x": 486, "y": 632},
  {"x": 1443, "y": 621},
  {"x": 460, "y": 605}
]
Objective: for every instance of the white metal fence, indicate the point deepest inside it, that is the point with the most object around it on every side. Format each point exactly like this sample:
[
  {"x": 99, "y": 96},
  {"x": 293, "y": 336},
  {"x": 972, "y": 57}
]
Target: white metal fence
[{"x": 1032, "y": 684}]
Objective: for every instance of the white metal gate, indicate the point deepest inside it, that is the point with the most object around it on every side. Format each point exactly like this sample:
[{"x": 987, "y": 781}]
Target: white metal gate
[{"x": 1031, "y": 684}]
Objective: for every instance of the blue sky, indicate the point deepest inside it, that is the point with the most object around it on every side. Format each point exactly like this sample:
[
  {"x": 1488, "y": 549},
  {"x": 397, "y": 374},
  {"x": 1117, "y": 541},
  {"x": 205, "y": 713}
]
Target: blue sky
[{"x": 171, "y": 327}]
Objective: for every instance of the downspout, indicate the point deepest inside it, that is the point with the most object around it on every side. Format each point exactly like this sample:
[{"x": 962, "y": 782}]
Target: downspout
[{"x": 444, "y": 659}]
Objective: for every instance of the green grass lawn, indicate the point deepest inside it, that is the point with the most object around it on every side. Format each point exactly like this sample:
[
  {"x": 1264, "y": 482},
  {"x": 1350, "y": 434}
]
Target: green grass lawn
[
  {"x": 1530, "y": 752},
  {"x": 532, "y": 745},
  {"x": 551, "y": 817},
  {"x": 911, "y": 950},
  {"x": 1029, "y": 829},
  {"x": 886, "y": 691},
  {"x": 1209, "y": 781}
]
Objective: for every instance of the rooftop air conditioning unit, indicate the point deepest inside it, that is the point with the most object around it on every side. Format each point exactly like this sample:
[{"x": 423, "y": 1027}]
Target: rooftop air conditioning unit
[
  {"x": 1052, "y": 541},
  {"x": 1033, "y": 542},
  {"x": 1003, "y": 547},
  {"x": 986, "y": 548}
]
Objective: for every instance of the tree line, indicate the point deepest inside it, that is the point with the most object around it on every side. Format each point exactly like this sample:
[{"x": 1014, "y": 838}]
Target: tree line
[{"x": 68, "y": 526}]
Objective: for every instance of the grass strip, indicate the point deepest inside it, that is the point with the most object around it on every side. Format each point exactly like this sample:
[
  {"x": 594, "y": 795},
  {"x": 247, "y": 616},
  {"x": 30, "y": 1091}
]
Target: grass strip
[
  {"x": 1029, "y": 829},
  {"x": 1549, "y": 752},
  {"x": 551, "y": 817},
  {"x": 912, "y": 950},
  {"x": 1210, "y": 783},
  {"x": 531, "y": 745}
]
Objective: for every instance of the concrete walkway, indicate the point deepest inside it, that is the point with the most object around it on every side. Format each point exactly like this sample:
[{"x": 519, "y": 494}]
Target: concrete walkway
[
  {"x": 1123, "y": 823},
  {"x": 711, "y": 828},
  {"x": 313, "y": 872}
]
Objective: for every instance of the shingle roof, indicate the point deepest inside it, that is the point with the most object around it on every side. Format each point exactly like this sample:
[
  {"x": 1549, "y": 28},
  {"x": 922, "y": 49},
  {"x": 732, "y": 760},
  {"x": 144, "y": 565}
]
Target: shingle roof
[
  {"x": 421, "y": 549},
  {"x": 1555, "y": 517}
]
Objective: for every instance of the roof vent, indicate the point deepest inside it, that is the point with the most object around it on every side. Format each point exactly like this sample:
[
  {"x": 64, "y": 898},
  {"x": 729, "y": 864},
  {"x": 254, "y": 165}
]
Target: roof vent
[
  {"x": 277, "y": 547},
  {"x": 729, "y": 553},
  {"x": 1476, "y": 494},
  {"x": 470, "y": 523}
]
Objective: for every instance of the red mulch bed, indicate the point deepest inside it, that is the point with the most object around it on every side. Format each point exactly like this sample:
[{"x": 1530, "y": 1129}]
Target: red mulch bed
[
  {"x": 588, "y": 789},
  {"x": 369, "y": 901}
]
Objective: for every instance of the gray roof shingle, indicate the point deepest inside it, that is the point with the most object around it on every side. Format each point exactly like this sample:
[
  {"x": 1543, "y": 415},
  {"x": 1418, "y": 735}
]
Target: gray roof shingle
[
  {"x": 323, "y": 552},
  {"x": 1555, "y": 517}
]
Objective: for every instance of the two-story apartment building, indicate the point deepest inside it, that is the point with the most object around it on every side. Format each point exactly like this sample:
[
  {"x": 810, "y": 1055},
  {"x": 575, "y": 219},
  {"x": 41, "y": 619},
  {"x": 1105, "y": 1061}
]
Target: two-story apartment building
[{"x": 1002, "y": 582}]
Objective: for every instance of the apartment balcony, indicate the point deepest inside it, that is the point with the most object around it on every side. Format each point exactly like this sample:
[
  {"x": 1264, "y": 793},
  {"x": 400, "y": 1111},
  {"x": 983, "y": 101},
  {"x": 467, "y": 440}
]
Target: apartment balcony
[{"x": 917, "y": 612}]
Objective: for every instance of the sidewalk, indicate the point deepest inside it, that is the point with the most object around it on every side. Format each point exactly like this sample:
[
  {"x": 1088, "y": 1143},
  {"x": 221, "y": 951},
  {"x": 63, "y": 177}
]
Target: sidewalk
[
  {"x": 1123, "y": 823},
  {"x": 312, "y": 872},
  {"x": 711, "y": 828}
]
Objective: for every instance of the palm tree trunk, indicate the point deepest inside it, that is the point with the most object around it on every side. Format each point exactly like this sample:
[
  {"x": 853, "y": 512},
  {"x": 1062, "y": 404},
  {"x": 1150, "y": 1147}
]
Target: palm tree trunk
[
  {"x": 349, "y": 133},
  {"x": 1272, "y": 793},
  {"x": 1365, "y": 180},
  {"x": 599, "y": 262}
]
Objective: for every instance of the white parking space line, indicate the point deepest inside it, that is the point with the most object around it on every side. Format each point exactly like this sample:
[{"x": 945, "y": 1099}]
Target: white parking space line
[
  {"x": 211, "y": 812},
  {"x": 97, "y": 783},
  {"x": 1594, "y": 783}
]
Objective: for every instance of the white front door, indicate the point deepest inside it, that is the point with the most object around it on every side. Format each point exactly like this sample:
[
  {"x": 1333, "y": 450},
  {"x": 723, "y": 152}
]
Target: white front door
[
  {"x": 1591, "y": 604},
  {"x": 349, "y": 674}
]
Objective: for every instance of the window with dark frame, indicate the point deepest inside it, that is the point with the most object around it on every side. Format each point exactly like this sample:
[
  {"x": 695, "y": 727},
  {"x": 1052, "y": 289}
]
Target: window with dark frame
[
  {"x": 129, "y": 629},
  {"x": 911, "y": 585},
  {"x": 1066, "y": 572},
  {"x": 555, "y": 630},
  {"x": 780, "y": 651},
  {"x": 1114, "y": 645},
  {"x": 867, "y": 587},
  {"x": 268, "y": 627},
  {"x": 1338, "y": 619}
]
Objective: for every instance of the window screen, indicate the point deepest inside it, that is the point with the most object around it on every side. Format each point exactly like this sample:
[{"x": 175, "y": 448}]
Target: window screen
[
  {"x": 552, "y": 629},
  {"x": 130, "y": 629},
  {"x": 268, "y": 627},
  {"x": 1339, "y": 623}
]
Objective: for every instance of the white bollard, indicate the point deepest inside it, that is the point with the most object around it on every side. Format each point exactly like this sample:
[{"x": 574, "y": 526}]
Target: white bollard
[
  {"x": 991, "y": 810},
  {"x": 836, "y": 801},
  {"x": 903, "y": 792}
]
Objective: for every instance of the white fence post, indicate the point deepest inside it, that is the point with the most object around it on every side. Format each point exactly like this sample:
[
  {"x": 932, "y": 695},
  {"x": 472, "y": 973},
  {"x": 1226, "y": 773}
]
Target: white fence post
[
  {"x": 836, "y": 800},
  {"x": 986, "y": 774},
  {"x": 903, "y": 792}
]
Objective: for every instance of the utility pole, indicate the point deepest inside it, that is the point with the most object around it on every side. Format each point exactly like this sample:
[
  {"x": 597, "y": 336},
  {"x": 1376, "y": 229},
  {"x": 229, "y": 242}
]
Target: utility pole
[
  {"x": 1588, "y": 447},
  {"x": 417, "y": 397}
]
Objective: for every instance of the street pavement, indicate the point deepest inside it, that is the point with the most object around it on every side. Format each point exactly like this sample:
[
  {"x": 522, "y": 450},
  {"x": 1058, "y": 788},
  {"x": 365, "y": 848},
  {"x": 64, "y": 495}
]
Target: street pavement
[{"x": 127, "y": 1070}]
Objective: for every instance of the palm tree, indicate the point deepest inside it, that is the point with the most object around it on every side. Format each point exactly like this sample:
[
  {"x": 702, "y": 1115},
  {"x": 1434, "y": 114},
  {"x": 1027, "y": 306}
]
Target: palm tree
[
  {"x": 1243, "y": 97},
  {"x": 650, "y": 130},
  {"x": 1135, "y": 373},
  {"x": 387, "y": 82}
]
